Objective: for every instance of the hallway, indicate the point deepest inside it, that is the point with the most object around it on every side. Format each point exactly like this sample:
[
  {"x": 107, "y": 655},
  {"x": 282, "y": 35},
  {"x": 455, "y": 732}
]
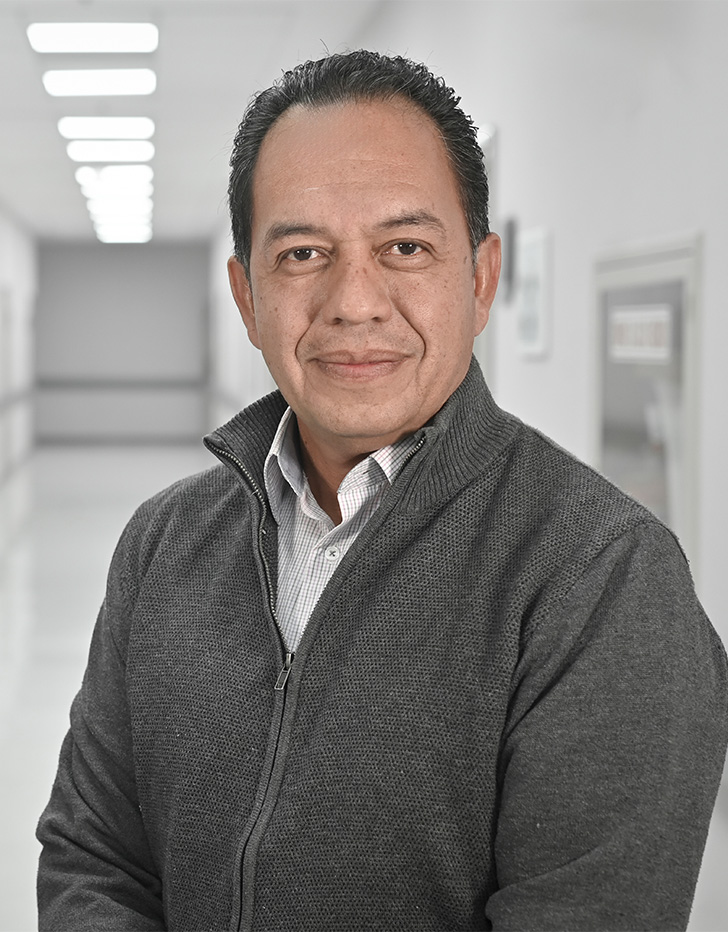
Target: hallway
[{"x": 51, "y": 584}]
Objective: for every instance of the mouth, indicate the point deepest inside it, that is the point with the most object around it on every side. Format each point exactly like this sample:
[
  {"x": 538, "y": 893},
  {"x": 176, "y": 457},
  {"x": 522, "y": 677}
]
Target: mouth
[{"x": 359, "y": 366}]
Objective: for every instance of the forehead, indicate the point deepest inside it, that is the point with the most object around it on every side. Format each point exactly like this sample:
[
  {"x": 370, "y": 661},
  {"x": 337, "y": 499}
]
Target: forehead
[{"x": 350, "y": 144}]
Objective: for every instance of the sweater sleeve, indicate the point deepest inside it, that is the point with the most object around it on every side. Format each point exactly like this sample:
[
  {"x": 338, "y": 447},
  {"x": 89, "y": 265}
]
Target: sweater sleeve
[
  {"x": 614, "y": 749},
  {"x": 96, "y": 871}
]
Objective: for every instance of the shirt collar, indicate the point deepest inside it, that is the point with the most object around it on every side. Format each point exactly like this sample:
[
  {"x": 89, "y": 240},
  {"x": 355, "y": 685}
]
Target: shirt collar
[{"x": 282, "y": 466}]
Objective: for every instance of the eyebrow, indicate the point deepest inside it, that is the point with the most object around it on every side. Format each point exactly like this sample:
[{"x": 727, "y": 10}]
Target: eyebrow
[
  {"x": 281, "y": 230},
  {"x": 414, "y": 218}
]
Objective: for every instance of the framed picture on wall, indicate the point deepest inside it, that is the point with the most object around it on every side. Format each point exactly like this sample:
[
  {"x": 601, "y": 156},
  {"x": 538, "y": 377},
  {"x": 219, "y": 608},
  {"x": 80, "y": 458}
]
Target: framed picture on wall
[{"x": 534, "y": 288}]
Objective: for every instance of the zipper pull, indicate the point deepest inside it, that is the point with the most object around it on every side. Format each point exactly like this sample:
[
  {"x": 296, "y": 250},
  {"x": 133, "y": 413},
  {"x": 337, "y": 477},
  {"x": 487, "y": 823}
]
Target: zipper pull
[{"x": 285, "y": 672}]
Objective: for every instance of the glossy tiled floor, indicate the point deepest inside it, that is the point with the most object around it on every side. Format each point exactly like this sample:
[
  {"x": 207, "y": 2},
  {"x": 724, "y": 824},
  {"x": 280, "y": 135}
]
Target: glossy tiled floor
[{"x": 51, "y": 583}]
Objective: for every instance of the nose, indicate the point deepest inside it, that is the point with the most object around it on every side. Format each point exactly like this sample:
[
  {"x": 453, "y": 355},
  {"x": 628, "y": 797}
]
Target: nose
[{"x": 356, "y": 291}]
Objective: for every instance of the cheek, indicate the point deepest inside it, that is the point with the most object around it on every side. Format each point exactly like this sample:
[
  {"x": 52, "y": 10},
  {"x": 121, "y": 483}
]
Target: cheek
[
  {"x": 269, "y": 318},
  {"x": 282, "y": 336},
  {"x": 440, "y": 310},
  {"x": 282, "y": 313}
]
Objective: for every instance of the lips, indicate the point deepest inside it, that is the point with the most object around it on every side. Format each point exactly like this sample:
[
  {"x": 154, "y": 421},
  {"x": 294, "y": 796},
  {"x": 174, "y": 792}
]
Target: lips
[
  {"x": 366, "y": 365},
  {"x": 349, "y": 358}
]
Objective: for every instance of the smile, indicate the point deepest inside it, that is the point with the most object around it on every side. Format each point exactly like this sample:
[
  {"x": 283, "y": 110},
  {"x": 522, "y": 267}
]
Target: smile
[{"x": 359, "y": 367}]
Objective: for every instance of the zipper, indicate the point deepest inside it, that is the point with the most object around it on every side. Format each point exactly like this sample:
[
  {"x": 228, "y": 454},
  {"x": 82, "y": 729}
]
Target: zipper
[
  {"x": 244, "y": 919},
  {"x": 415, "y": 449},
  {"x": 284, "y": 674},
  {"x": 218, "y": 451},
  {"x": 248, "y": 856}
]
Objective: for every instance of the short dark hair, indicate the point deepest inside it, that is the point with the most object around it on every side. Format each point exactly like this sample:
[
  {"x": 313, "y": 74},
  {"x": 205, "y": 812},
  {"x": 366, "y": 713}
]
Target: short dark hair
[{"x": 355, "y": 76}]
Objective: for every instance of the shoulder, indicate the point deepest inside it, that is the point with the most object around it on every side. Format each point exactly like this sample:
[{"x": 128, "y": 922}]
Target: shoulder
[
  {"x": 190, "y": 499},
  {"x": 178, "y": 519},
  {"x": 561, "y": 524},
  {"x": 513, "y": 476},
  {"x": 561, "y": 493},
  {"x": 606, "y": 563}
]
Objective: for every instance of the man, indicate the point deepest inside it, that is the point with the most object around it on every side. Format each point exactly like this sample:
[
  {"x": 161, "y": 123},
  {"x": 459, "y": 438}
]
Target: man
[{"x": 399, "y": 662}]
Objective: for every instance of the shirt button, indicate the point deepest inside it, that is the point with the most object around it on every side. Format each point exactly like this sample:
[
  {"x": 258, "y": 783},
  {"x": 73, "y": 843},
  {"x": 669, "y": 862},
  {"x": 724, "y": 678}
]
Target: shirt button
[{"x": 332, "y": 554}]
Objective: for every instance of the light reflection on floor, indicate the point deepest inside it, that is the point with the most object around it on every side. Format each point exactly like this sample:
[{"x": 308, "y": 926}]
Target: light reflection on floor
[{"x": 67, "y": 510}]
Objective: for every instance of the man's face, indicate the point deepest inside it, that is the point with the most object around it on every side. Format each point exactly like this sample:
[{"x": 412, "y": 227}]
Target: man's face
[{"x": 363, "y": 296}]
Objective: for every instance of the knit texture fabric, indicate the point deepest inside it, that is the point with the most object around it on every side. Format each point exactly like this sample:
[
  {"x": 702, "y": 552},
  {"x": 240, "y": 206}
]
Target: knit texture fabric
[{"x": 507, "y": 710}]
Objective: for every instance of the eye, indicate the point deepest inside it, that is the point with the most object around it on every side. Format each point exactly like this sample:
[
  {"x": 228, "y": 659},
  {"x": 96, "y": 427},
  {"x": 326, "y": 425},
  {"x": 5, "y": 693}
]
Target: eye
[
  {"x": 406, "y": 249},
  {"x": 302, "y": 254}
]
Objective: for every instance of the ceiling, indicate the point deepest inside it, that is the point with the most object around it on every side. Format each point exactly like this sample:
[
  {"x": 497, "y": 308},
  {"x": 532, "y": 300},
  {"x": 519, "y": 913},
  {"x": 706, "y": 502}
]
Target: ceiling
[{"x": 212, "y": 56}]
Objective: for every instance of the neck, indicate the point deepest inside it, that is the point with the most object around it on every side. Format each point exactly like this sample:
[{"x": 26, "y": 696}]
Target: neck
[{"x": 325, "y": 470}]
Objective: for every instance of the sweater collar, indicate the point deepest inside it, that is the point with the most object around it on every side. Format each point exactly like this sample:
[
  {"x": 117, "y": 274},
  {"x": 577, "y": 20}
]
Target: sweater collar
[{"x": 465, "y": 435}]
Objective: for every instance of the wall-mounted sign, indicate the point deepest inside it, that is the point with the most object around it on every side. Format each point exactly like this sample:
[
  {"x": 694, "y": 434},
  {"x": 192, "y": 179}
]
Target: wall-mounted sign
[{"x": 640, "y": 334}]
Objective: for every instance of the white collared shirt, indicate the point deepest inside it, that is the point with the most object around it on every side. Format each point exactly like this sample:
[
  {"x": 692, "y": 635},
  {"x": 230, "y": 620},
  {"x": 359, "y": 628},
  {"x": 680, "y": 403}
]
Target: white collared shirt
[{"x": 310, "y": 545}]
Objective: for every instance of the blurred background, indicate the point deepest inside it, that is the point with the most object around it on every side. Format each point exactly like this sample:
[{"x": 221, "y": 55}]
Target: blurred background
[{"x": 605, "y": 129}]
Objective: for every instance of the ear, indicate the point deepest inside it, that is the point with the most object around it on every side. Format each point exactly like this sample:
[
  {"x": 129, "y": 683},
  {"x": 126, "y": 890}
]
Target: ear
[
  {"x": 240, "y": 287},
  {"x": 487, "y": 272}
]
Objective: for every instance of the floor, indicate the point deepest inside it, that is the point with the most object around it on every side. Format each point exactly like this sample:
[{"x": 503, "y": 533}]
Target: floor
[{"x": 59, "y": 521}]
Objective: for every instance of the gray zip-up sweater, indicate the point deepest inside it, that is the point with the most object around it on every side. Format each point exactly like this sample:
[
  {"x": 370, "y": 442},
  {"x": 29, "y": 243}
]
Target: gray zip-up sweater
[{"x": 507, "y": 711}]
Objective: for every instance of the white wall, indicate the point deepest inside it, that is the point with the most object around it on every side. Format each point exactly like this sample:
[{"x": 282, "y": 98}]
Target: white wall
[
  {"x": 238, "y": 375},
  {"x": 17, "y": 306},
  {"x": 612, "y": 129},
  {"x": 122, "y": 342}
]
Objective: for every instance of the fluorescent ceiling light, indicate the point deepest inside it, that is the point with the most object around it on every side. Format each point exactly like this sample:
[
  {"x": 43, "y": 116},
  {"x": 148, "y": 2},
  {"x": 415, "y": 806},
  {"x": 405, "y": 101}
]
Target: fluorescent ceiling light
[
  {"x": 101, "y": 82},
  {"x": 93, "y": 37},
  {"x": 125, "y": 224},
  {"x": 113, "y": 233},
  {"x": 118, "y": 223},
  {"x": 106, "y": 127},
  {"x": 119, "y": 201},
  {"x": 121, "y": 223},
  {"x": 115, "y": 181},
  {"x": 116, "y": 175},
  {"x": 99, "y": 190},
  {"x": 110, "y": 150},
  {"x": 127, "y": 207}
]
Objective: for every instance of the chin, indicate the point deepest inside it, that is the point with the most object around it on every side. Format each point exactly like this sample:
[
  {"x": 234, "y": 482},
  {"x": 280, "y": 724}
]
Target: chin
[{"x": 380, "y": 431}]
